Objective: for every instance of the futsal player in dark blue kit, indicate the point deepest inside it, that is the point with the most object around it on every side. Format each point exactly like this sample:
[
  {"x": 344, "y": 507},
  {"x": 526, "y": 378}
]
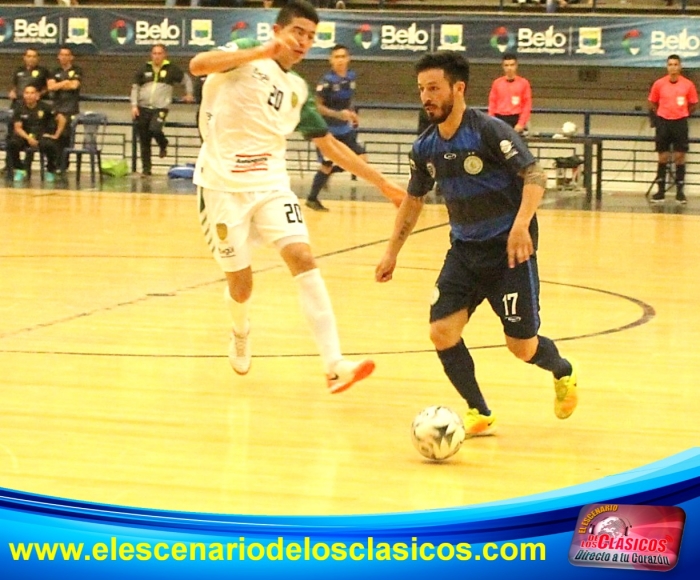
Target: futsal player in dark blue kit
[
  {"x": 334, "y": 94},
  {"x": 492, "y": 186}
]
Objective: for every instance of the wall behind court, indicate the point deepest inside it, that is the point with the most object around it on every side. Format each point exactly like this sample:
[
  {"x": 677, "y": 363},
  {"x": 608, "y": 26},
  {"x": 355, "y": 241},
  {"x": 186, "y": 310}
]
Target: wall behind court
[
  {"x": 558, "y": 79},
  {"x": 619, "y": 89}
]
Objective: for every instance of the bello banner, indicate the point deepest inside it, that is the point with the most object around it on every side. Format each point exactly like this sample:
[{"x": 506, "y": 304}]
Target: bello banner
[{"x": 554, "y": 39}]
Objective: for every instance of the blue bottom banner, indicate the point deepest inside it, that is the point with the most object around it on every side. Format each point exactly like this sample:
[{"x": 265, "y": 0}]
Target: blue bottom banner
[{"x": 644, "y": 520}]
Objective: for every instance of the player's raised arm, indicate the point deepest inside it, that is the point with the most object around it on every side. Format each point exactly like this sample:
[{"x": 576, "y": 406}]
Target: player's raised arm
[
  {"x": 235, "y": 55},
  {"x": 342, "y": 155}
]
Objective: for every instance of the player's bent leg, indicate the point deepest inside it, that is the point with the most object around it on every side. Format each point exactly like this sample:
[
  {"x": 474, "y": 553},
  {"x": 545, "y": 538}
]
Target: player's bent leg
[{"x": 316, "y": 305}]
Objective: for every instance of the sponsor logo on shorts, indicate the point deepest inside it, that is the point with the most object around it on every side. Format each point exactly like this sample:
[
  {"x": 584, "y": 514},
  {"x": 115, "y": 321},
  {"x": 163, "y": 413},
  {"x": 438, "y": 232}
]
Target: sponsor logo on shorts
[{"x": 227, "y": 251}]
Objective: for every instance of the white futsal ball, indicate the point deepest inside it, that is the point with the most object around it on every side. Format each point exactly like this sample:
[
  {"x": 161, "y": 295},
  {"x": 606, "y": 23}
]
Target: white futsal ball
[
  {"x": 437, "y": 432},
  {"x": 569, "y": 129}
]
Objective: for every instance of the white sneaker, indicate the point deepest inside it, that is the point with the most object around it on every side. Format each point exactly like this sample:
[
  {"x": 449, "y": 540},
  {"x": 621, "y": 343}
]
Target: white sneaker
[
  {"x": 239, "y": 352},
  {"x": 346, "y": 373}
]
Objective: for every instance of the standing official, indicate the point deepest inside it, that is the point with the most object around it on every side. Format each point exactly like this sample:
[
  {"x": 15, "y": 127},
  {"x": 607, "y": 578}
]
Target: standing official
[
  {"x": 31, "y": 73},
  {"x": 151, "y": 95},
  {"x": 672, "y": 99},
  {"x": 64, "y": 83},
  {"x": 510, "y": 98}
]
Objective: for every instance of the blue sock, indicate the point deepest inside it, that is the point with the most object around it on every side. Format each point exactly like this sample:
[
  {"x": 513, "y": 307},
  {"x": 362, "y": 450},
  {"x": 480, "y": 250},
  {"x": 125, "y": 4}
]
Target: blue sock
[
  {"x": 319, "y": 181},
  {"x": 547, "y": 357},
  {"x": 459, "y": 368}
]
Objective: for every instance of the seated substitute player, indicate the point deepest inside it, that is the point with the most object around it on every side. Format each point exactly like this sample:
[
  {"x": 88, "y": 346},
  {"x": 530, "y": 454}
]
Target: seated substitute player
[
  {"x": 34, "y": 124},
  {"x": 492, "y": 186},
  {"x": 250, "y": 101},
  {"x": 334, "y": 95}
]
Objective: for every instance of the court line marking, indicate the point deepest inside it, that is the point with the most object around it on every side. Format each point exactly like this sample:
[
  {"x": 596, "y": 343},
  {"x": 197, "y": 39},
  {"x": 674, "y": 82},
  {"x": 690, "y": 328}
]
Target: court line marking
[{"x": 648, "y": 311}]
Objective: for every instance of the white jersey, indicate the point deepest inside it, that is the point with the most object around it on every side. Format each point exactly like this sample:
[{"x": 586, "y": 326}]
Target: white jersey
[{"x": 245, "y": 116}]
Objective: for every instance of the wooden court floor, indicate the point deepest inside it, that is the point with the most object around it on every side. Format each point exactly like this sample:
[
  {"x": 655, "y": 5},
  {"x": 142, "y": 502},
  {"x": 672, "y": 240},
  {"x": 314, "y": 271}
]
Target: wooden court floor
[{"x": 115, "y": 386}]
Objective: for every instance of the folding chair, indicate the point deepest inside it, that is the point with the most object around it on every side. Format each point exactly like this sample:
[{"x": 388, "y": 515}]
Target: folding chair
[
  {"x": 568, "y": 171},
  {"x": 87, "y": 135},
  {"x": 5, "y": 120}
]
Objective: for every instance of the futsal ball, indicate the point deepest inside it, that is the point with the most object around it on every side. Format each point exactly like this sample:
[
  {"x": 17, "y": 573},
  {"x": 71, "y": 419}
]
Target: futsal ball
[
  {"x": 569, "y": 129},
  {"x": 437, "y": 432}
]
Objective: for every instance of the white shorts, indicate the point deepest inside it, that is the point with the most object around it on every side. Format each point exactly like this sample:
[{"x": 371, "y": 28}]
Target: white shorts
[{"x": 232, "y": 222}]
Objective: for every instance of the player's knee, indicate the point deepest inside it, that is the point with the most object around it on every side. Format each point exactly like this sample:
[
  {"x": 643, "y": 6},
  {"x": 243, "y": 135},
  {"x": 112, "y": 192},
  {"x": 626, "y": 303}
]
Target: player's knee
[
  {"x": 522, "y": 349},
  {"x": 443, "y": 335},
  {"x": 240, "y": 293},
  {"x": 299, "y": 258}
]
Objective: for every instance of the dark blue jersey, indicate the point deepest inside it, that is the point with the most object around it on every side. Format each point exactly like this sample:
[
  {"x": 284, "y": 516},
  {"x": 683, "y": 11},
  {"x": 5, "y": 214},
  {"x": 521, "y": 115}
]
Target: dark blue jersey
[
  {"x": 337, "y": 93},
  {"x": 477, "y": 172}
]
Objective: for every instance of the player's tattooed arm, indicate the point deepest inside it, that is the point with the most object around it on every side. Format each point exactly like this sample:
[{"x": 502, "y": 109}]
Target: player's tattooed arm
[
  {"x": 534, "y": 175},
  {"x": 406, "y": 219}
]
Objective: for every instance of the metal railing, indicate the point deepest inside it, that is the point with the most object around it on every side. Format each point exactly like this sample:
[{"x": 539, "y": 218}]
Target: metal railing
[{"x": 629, "y": 158}]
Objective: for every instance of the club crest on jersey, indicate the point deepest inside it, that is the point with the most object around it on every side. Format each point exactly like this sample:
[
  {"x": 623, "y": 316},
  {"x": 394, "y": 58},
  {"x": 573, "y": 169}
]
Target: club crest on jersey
[
  {"x": 431, "y": 169},
  {"x": 222, "y": 231},
  {"x": 507, "y": 149},
  {"x": 295, "y": 99},
  {"x": 473, "y": 165},
  {"x": 412, "y": 164}
]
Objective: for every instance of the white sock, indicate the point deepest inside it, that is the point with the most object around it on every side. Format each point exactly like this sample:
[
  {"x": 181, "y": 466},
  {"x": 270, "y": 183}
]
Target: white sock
[
  {"x": 238, "y": 312},
  {"x": 317, "y": 308}
]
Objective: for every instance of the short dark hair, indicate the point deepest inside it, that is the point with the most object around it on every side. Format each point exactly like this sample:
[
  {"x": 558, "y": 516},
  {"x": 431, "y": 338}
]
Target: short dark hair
[
  {"x": 674, "y": 57},
  {"x": 509, "y": 56},
  {"x": 454, "y": 65},
  {"x": 296, "y": 9},
  {"x": 339, "y": 47}
]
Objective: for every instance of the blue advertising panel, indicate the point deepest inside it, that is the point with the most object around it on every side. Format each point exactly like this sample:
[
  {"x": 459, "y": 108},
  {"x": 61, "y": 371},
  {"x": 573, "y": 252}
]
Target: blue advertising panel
[
  {"x": 644, "y": 519},
  {"x": 557, "y": 39}
]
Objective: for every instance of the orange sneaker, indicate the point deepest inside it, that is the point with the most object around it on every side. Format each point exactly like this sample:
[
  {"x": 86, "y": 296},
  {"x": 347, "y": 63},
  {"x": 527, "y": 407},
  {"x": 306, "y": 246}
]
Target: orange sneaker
[
  {"x": 346, "y": 373},
  {"x": 478, "y": 425}
]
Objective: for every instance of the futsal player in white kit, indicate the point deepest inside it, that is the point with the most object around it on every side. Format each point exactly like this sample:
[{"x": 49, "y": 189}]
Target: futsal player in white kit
[{"x": 250, "y": 101}]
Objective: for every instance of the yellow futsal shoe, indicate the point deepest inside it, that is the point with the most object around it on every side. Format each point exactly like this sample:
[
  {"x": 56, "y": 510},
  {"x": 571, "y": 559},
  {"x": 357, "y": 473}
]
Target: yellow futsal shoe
[
  {"x": 566, "y": 389},
  {"x": 478, "y": 425}
]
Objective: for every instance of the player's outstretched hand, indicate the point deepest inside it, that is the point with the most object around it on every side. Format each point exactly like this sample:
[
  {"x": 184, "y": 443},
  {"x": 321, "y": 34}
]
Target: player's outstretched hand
[{"x": 385, "y": 269}]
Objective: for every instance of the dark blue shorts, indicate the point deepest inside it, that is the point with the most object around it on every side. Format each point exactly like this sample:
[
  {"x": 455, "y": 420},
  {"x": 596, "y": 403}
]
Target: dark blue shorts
[
  {"x": 349, "y": 139},
  {"x": 474, "y": 271}
]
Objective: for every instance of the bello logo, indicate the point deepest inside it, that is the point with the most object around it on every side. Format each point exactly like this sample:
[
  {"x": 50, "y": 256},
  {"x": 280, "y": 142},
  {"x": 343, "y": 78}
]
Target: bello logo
[{"x": 633, "y": 537}]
